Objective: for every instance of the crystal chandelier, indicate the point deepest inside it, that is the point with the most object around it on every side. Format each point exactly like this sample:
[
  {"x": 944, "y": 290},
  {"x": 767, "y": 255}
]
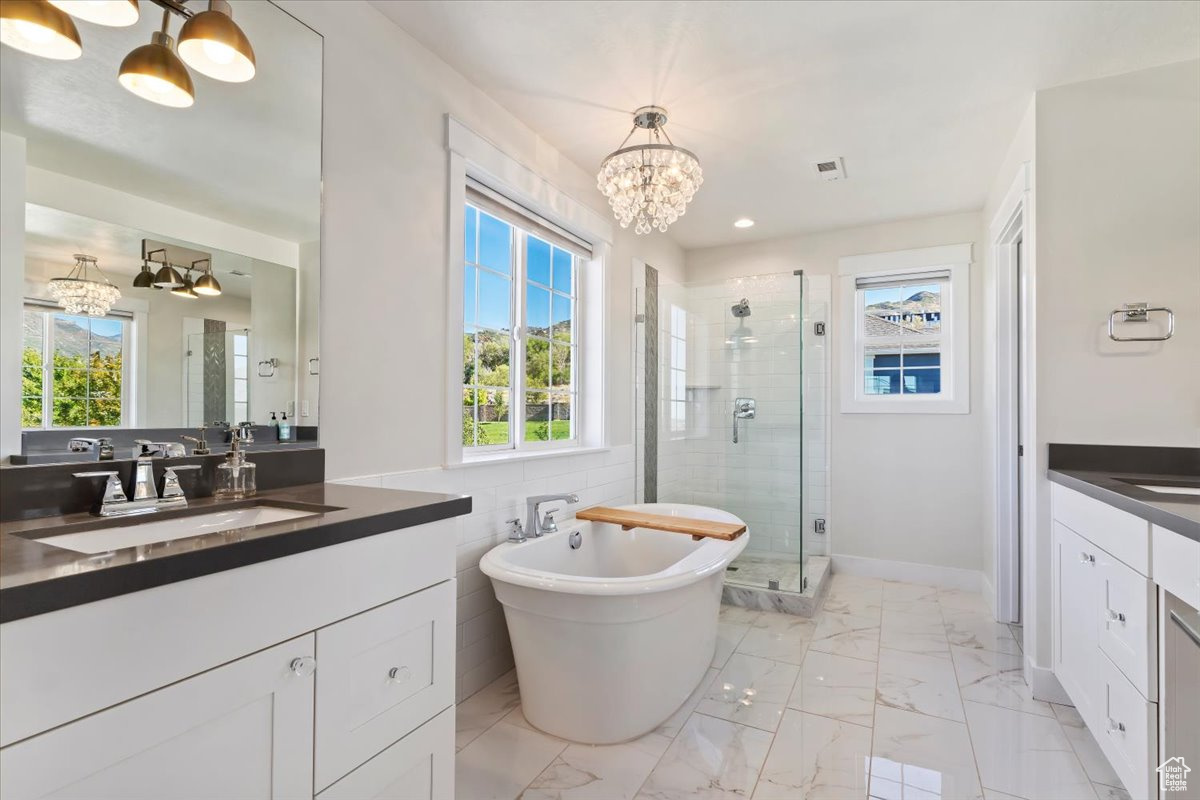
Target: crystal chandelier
[
  {"x": 649, "y": 185},
  {"x": 79, "y": 294}
]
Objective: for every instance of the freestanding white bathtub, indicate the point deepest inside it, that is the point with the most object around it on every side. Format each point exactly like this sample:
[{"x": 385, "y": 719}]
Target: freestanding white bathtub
[{"x": 611, "y": 638}]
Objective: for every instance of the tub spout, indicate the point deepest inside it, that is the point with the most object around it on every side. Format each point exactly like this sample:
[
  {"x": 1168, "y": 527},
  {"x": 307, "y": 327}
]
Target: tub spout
[{"x": 533, "y": 526}]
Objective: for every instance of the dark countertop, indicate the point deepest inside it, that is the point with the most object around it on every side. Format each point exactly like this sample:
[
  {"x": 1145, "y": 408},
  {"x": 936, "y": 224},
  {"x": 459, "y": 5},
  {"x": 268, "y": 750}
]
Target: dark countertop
[
  {"x": 1176, "y": 512},
  {"x": 37, "y": 578}
]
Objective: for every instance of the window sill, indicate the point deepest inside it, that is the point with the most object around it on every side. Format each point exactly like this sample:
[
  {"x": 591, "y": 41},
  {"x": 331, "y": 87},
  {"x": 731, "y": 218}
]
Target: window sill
[
  {"x": 890, "y": 406},
  {"x": 512, "y": 456}
]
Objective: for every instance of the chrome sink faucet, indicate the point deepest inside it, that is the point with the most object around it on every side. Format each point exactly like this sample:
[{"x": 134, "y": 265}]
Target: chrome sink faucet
[
  {"x": 535, "y": 526},
  {"x": 146, "y": 500}
]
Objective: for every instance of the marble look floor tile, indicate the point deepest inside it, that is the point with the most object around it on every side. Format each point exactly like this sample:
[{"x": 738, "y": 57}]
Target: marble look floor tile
[
  {"x": 816, "y": 758},
  {"x": 962, "y": 600},
  {"x": 848, "y": 635},
  {"x": 980, "y": 631},
  {"x": 899, "y": 590},
  {"x": 853, "y": 595},
  {"x": 929, "y": 608},
  {"x": 729, "y": 636},
  {"x": 751, "y": 691},
  {"x": 711, "y": 759},
  {"x": 739, "y": 615},
  {"x": 674, "y": 724},
  {"x": 584, "y": 772},
  {"x": 779, "y": 637},
  {"x": 914, "y": 753},
  {"x": 1094, "y": 762},
  {"x": 485, "y": 708},
  {"x": 1105, "y": 792},
  {"x": 997, "y": 679},
  {"x": 992, "y": 794},
  {"x": 922, "y": 633},
  {"x": 1024, "y": 754},
  {"x": 837, "y": 687},
  {"x": 925, "y": 684},
  {"x": 501, "y": 763}
]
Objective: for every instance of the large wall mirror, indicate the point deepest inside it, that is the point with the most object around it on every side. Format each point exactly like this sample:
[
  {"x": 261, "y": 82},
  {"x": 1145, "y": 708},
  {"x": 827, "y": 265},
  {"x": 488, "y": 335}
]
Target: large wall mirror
[{"x": 204, "y": 218}]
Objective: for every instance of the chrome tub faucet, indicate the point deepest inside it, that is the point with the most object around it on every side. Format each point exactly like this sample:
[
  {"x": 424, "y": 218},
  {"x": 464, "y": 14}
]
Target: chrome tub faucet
[{"x": 536, "y": 526}]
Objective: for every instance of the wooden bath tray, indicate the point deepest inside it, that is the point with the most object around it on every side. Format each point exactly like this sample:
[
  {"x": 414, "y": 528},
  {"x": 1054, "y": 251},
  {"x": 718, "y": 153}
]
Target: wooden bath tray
[{"x": 697, "y": 528}]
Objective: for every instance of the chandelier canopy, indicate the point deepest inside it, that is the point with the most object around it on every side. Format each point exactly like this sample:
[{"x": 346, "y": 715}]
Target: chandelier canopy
[
  {"x": 79, "y": 294},
  {"x": 649, "y": 185}
]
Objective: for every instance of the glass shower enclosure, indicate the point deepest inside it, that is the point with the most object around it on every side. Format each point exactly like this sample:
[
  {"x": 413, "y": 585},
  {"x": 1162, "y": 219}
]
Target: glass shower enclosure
[{"x": 720, "y": 401}]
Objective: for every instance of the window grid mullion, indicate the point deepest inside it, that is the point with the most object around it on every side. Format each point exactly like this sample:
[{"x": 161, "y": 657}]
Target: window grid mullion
[{"x": 516, "y": 405}]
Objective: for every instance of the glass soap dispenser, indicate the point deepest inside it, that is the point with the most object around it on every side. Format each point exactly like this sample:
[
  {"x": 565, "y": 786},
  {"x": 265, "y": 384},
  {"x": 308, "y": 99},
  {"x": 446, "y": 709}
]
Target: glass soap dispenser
[{"x": 235, "y": 477}]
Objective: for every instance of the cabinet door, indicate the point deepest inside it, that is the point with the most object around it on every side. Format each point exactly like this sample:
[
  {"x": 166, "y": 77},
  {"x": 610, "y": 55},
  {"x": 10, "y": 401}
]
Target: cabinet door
[
  {"x": 1128, "y": 627},
  {"x": 418, "y": 767},
  {"x": 1077, "y": 623},
  {"x": 241, "y": 730}
]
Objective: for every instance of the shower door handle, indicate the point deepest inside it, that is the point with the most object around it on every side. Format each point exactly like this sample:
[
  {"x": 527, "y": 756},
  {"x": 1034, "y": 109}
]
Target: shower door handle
[{"x": 743, "y": 408}]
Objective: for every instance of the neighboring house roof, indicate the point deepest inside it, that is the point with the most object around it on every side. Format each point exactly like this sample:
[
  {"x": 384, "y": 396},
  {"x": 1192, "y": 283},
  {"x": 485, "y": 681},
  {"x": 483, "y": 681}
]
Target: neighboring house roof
[{"x": 878, "y": 326}]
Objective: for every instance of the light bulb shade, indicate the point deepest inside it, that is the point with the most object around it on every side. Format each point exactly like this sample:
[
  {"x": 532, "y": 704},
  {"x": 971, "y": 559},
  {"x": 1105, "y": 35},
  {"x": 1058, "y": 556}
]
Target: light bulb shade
[
  {"x": 36, "y": 27},
  {"x": 144, "y": 279},
  {"x": 168, "y": 277},
  {"x": 212, "y": 44},
  {"x": 153, "y": 72},
  {"x": 185, "y": 290},
  {"x": 114, "y": 13},
  {"x": 206, "y": 284}
]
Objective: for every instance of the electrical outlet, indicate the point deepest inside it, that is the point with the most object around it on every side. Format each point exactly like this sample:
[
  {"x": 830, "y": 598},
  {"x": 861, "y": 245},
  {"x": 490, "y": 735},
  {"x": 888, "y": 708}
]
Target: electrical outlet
[{"x": 818, "y": 525}]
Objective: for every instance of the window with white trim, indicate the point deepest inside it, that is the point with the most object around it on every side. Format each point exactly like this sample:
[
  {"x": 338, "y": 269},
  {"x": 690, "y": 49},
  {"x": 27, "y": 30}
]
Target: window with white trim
[
  {"x": 521, "y": 337},
  {"x": 906, "y": 345},
  {"x": 74, "y": 369}
]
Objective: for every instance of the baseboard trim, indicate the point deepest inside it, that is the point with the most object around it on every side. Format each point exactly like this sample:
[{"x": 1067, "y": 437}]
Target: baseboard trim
[
  {"x": 947, "y": 577},
  {"x": 1044, "y": 685},
  {"x": 989, "y": 593}
]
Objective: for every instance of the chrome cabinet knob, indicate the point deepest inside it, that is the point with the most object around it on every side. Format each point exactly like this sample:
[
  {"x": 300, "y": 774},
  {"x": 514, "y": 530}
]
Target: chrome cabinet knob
[
  {"x": 1115, "y": 616},
  {"x": 1087, "y": 559},
  {"x": 399, "y": 674},
  {"x": 1115, "y": 727},
  {"x": 303, "y": 666}
]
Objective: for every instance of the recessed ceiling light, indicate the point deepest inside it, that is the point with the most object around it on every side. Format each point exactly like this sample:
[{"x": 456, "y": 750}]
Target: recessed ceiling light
[{"x": 744, "y": 222}]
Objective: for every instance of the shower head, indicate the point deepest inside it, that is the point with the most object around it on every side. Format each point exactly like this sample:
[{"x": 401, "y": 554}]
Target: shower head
[{"x": 742, "y": 309}]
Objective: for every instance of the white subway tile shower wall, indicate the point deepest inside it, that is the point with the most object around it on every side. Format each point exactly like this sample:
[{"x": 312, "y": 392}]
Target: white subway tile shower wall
[
  {"x": 817, "y": 354},
  {"x": 499, "y": 492}
]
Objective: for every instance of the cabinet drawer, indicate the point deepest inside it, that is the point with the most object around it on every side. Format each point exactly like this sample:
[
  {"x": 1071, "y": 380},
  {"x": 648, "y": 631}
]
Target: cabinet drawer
[
  {"x": 381, "y": 674},
  {"x": 1122, "y": 534},
  {"x": 418, "y": 767},
  {"x": 1128, "y": 622},
  {"x": 1128, "y": 731},
  {"x": 1177, "y": 565}
]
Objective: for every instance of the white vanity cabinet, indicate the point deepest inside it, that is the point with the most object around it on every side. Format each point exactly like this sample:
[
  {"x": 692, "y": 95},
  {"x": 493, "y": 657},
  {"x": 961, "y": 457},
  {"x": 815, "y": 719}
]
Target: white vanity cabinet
[
  {"x": 329, "y": 672},
  {"x": 1105, "y": 630}
]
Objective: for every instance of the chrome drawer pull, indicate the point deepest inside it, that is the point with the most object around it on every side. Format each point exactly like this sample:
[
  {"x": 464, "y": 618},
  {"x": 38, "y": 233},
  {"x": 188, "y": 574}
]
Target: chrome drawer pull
[
  {"x": 1084, "y": 558},
  {"x": 1116, "y": 727},
  {"x": 399, "y": 674},
  {"x": 1116, "y": 616},
  {"x": 303, "y": 666}
]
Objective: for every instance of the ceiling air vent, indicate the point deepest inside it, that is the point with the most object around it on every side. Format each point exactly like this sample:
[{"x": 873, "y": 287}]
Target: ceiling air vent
[{"x": 831, "y": 170}]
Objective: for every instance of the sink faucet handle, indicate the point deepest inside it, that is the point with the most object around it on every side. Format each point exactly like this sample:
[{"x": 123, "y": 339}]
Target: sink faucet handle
[{"x": 114, "y": 492}]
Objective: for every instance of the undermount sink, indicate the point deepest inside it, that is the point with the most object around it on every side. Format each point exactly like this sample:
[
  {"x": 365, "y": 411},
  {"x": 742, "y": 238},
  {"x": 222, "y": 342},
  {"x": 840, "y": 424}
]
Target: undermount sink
[
  {"x": 1162, "y": 489},
  {"x": 145, "y": 531}
]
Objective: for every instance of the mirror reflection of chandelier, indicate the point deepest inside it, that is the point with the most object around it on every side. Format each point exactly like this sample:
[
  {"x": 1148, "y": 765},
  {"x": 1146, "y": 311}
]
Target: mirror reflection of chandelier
[
  {"x": 78, "y": 293},
  {"x": 649, "y": 185}
]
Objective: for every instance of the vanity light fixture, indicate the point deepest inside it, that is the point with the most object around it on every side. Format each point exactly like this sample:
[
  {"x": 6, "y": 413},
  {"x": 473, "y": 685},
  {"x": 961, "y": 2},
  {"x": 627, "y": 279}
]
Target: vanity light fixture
[
  {"x": 38, "y": 28},
  {"x": 212, "y": 44},
  {"x": 649, "y": 185},
  {"x": 187, "y": 289},
  {"x": 155, "y": 73},
  {"x": 206, "y": 284},
  {"x": 78, "y": 293},
  {"x": 113, "y": 13},
  {"x": 167, "y": 277},
  {"x": 145, "y": 278}
]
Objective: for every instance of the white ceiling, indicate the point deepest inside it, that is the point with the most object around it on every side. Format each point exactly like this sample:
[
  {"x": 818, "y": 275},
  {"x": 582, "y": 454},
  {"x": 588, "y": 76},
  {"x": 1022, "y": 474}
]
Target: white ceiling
[
  {"x": 921, "y": 98},
  {"x": 248, "y": 154},
  {"x": 52, "y": 237}
]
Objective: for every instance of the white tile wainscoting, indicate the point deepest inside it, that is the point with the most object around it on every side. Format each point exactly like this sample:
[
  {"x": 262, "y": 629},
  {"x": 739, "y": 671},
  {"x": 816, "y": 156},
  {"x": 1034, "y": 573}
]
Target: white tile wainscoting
[
  {"x": 894, "y": 690},
  {"x": 499, "y": 490}
]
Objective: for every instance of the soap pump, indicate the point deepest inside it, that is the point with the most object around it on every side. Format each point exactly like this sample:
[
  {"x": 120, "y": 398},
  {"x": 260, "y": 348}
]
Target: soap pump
[{"x": 235, "y": 477}]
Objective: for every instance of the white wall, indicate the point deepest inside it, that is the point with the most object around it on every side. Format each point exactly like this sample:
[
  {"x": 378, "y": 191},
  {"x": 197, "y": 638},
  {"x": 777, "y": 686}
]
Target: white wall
[
  {"x": 1118, "y": 205},
  {"x": 883, "y": 507},
  {"x": 383, "y": 303},
  {"x": 273, "y": 335},
  {"x": 12, "y": 283}
]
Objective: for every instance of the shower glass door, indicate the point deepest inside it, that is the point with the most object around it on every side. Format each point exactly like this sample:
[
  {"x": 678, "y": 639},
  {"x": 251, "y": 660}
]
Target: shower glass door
[{"x": 720, "y": 409}]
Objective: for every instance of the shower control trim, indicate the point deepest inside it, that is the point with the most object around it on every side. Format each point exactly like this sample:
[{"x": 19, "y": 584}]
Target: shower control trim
[{"x": 743, "y": 408}]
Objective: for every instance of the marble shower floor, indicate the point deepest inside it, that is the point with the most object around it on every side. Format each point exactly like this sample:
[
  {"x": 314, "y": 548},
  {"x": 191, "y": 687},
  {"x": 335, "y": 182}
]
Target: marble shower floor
[
  {"x": 757, "y": 572},
  {"x": 892, "y": 690}
]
